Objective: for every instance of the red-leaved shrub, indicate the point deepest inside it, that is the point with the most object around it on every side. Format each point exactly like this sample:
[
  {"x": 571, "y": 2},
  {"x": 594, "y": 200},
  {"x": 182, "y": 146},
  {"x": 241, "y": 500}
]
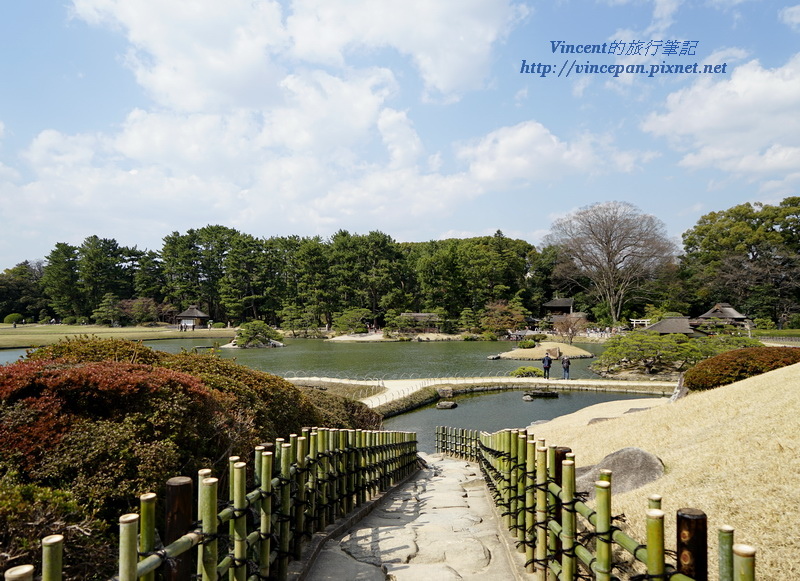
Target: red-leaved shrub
[{"x": 739, "y": 364}]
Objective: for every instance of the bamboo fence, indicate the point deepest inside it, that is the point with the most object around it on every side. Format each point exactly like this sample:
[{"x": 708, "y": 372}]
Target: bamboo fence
[
  {"x": 565, "y": 539},
  {"x": 301, "y": 486}
]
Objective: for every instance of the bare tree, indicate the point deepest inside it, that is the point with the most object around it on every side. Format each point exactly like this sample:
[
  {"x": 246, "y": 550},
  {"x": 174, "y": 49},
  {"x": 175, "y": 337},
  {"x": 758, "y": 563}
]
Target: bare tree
[
  {"x": 613, "y": 247},
  {"x": 570, "y": 327}
]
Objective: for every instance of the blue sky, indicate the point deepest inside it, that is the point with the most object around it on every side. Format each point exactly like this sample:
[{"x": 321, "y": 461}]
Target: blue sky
[{"x": 131, "y": 119}]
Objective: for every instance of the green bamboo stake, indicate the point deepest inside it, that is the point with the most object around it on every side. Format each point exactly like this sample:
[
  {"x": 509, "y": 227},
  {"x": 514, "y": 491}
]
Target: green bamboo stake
[
  {"x": 284, "y": 539},
  {"x": 147, "y": 536},
  {"x": 300, "y": 479},
  {"x": 744, "y": 562},
  {"x": 202, "y": 474},
  {"x": 19, "y": 573},
  {"x": 257, "y": 464},
  {"x": 265, "y": 528},
  {"x": 128, "y": 546},
  {"x": 322, "y": 480},
  {"x": 540, "y": 569},
  {"x": 232, "y": 460},
  {"x": 654, "y": 501},
  {"x": 552, "y": 502},
  {"x": 342, "y": 482},
  {"x": 603, "y": 529},
  {"x": 725, "y": 536},
  {"x": 208, "y": 514},
  {"x": 522, "y": 461},
  {"x": 510, "y": 448},
  {"x": 568, "y": 520},
  {"x": 52, "y": 557},
  {"x": 530, "y": 502},
  {"x": 239, "y": 571},
  {"x": 655, "y": 542}
]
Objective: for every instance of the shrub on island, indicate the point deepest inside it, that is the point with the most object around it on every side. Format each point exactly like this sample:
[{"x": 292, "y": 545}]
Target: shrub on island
[{"x": 738, "y": 364}]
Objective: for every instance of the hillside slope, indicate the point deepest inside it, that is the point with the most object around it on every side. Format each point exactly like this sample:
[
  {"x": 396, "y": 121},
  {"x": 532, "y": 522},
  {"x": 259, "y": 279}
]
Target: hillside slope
[{"x": 733, "y": 452}]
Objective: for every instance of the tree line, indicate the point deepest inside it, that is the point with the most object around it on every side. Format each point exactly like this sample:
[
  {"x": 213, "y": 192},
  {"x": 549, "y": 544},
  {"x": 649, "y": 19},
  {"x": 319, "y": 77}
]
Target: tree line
[{"x": 615, "y": 261}]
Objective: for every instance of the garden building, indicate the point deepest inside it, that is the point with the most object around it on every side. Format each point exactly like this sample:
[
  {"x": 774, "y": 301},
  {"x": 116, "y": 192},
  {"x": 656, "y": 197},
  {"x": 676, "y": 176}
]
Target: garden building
[
  {"x": 727, "y": 315},
  {"x": 192, "y": 317},
  {"x": 676, "y": 326}
]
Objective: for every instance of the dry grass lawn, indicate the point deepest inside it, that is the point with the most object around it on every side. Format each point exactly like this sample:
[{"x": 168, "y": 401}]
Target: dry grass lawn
[{"x": 733, "y": 452}]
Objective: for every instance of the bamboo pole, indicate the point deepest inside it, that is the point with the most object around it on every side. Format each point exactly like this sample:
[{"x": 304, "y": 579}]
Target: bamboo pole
[
  {"x": 202, "y": 474},
  {"x": 147, "y": 535},
  {"x": 654, "y": 501},
  {"x": 208, "y": 514},
  {"x": 128, "y": 549},
  {"x": 239, "y": 485},
  {"x": 522, "y": 451},
  {"x": 744, "y": 562},
  {"x": 603, "y": 530},
  {"x": 540, "y": 569},
  {"x": 52, "y": 557},
  {"x": 568, "y": 521},
  {"x": 285, "y": 518},
  {"x": 530, "y": 502},
  {"x": 655, "y": 542},
  {"x": 300, "y": 498},
  {"x": 19, "y": 573},
  {"x": 265, "y": 528},
  {"x": 510, "y": 448},
  {"x": 725, "y": 536}
]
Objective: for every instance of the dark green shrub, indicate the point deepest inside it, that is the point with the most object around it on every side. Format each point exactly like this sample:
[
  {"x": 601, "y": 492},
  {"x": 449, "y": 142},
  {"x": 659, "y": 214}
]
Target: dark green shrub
[
  {"x": 28, "y": 513},
  {"x": 218, "y": 325},
  {"x": 739, "y": 364},
  {"x": 256, "y": 334},
  {"x": 488, "y": 336},
  {"x": 526, "y": 344},
  {"x": 13, "y": 318},
  {"x": 69, "y": 320},
  {"x": 527, "y": 371}
]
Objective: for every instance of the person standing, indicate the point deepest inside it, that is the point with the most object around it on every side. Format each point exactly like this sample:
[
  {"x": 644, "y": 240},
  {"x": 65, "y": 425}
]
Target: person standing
[
  {"x": 565, "y": 366},
  {"x": 546, "y": 363}
]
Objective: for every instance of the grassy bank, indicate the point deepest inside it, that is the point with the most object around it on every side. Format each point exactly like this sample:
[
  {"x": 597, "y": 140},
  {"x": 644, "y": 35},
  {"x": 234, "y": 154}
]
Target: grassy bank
[
  {"x": 733, "y": 452},
  {"x": 25, "y": 336}
]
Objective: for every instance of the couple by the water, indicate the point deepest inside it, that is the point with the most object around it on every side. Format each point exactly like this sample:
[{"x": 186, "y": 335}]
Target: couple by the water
[{"x": 547, "y": 363}]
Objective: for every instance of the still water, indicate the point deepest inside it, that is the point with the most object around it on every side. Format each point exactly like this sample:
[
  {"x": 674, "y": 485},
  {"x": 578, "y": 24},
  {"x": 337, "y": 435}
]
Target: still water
[{"x": 495, "y": 411}]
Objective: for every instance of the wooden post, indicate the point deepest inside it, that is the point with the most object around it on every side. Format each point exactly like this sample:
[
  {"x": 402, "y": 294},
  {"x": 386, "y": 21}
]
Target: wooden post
[
  {"x": 147, "y": 536},
  {"x": 692, "y": 543},
  {"x": 19, "y": 573},
  {"x": 208, "y": 514},
  {"x": 744, "y": 563},
  {"x": 128, "y": 546},
  {"x": 52, "y": 557},
  {"x": 725, "y": 536},
  {"x": 603, "y": 528},
  {"x": 655, "y": 542},
  {"x": 178, "y": 520}
]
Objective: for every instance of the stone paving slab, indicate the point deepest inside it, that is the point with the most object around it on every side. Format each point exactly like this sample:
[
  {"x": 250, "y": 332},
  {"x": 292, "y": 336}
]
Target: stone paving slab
[{"x": 438, "y": 526}]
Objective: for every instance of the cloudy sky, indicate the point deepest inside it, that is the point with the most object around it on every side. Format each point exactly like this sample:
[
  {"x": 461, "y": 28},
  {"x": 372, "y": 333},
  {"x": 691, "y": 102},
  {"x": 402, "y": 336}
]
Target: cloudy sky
[{"x": 131, "y": 119}]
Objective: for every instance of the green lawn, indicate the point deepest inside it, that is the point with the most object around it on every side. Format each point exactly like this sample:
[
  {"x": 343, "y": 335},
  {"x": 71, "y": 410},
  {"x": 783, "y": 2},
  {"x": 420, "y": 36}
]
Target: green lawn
[{"x": 37, "y": 335}]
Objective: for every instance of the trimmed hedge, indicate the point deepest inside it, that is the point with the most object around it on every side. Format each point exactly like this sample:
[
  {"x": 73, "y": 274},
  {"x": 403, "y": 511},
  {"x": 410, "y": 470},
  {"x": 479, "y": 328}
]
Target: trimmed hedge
[{"x": 738, "y": 364}]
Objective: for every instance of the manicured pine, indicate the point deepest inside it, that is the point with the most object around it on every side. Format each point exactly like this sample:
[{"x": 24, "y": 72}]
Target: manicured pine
[{"x": 52, "y": 557}]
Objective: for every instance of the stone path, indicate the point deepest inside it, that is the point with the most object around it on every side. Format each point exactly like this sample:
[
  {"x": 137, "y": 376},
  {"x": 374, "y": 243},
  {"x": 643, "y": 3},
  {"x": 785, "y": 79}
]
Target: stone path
[{"x": 438, "y": 526}]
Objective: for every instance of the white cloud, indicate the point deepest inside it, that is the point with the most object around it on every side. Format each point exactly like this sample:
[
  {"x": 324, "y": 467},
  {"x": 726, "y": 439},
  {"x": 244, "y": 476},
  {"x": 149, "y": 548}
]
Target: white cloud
[
  {"x": 748, "y": 124},
  {"x": 791, "y": 17},
  {"x": 399, "y": 137},
  {"x": 529, "y": 151},
  {"x": 449, "y": 41}
]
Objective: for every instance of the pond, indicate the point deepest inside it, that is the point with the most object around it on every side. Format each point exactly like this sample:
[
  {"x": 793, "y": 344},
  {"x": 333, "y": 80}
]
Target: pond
[{"x": 496, "y": 411}]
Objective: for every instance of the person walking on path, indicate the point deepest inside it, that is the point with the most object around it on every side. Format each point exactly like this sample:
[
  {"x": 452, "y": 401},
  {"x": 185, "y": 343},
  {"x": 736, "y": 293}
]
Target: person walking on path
[
  {"x": 546, "y": 363},
  {"x": 565, "y": 366}
]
